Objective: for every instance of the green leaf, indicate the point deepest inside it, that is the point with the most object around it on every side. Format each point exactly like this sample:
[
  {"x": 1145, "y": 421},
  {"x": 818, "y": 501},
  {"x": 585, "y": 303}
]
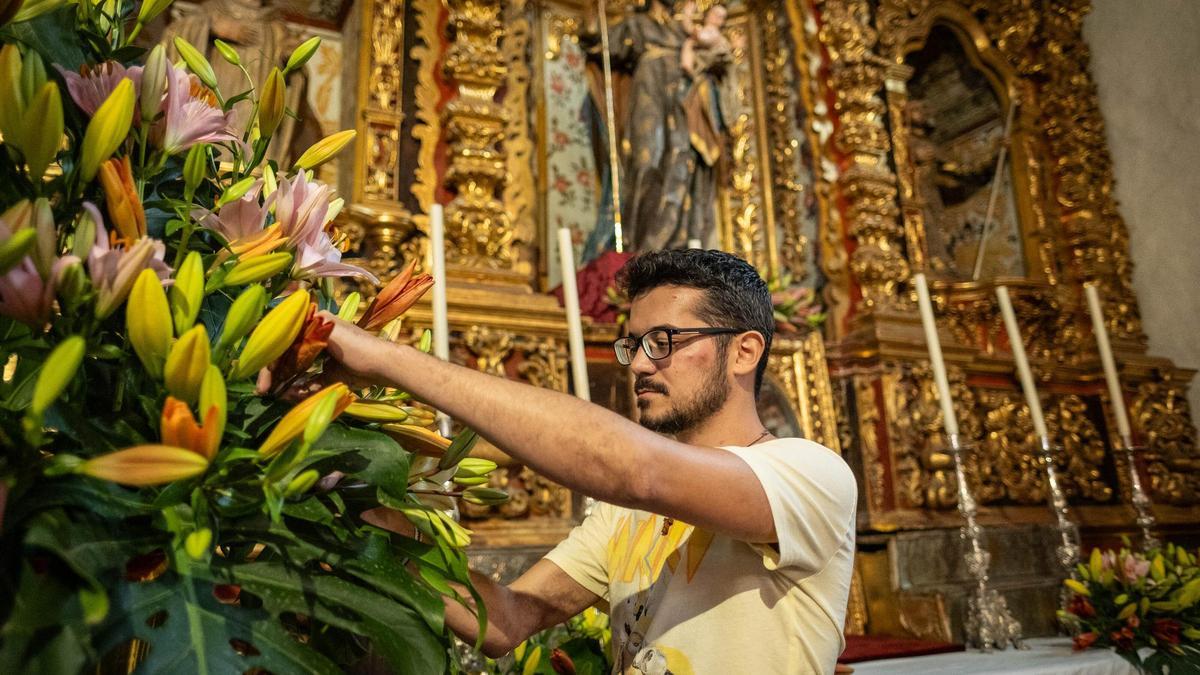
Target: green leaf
[
  {"x": 459, "y": 448},
  {"x": 44, "y": 632},
  {"x": 188, "y": 630}
]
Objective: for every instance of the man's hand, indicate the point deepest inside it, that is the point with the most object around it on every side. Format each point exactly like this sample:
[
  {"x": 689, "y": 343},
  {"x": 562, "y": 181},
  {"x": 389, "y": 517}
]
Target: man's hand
[{"x": 356, "y": 353}]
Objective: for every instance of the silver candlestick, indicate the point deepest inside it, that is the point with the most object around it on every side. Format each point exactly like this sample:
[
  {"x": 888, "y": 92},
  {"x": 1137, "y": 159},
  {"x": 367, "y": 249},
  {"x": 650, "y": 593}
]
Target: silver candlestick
[
  {"x": 1068, "y": 533},
  {"x": 1139, "y": 498},
  {"x": 989, "y": 624}
]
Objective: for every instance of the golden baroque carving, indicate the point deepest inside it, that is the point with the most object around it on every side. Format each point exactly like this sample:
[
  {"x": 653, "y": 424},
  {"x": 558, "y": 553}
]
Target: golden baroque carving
[
  {"x": 1161, "y": 416},
  {"x": 560, "y": 27},
  {"x": 868, "y": 438},
  {"x": 1008, "y": 465},
  {"x": 478, "y": 229},
  {"x": 868, "y": 184},
  {"x": 428, "y": 125},
  {"x": 1083, "y": 449},
  {"x": 924, "y": 465},
  {"x": 529, "y": 496},
  {"x": 519, "y": 192},
  {"x": 799, "y": 365}
]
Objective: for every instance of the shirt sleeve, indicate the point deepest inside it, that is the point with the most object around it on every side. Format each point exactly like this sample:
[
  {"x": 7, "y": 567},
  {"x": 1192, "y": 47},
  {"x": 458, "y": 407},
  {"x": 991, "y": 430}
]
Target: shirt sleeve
[
  {"x": 813, "y": 495},
  {"x": 583, "y": 555}
]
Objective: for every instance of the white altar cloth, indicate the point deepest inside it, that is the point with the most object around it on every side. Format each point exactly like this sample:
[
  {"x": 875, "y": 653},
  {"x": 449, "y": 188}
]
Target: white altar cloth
[{"x": 1045, "y": 656}]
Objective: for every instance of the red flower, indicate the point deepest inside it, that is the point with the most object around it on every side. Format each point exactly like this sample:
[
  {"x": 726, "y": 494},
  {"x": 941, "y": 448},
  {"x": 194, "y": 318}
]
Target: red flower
[
  {"x": 561, "y": 184},
  {"x": 584, "y": 177},
  {"x": 561, "y": 663},
  {"x": 309, "y": 343},
  {"x": 401, "y": 293},
  {"x": 1122, "y": 639},
  {"x": 1083, "y": 641},
  {"x": 593, "y": 282},
  {"x": 557, "y": 85},
  {"x": 1081, "y": 607},
  {"x": 1166, "y": 630},
  {"x": 1133, "y": 621}
]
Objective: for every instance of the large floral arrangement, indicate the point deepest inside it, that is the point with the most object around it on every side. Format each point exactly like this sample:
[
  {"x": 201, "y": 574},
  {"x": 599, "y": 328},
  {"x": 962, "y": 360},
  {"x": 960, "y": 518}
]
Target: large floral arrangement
[
  {"x": 579, "y": 646},
  {"x": 162, "y": 499},
  {"x": 1131, "y": 602}
]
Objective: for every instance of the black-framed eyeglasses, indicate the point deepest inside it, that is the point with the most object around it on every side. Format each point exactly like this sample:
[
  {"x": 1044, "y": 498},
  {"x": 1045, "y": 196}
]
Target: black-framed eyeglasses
[{"x": 658, "y": 343}]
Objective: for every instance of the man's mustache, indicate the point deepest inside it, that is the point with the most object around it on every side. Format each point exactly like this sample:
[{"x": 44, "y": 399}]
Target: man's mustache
[{"x": 645, "y": 384}]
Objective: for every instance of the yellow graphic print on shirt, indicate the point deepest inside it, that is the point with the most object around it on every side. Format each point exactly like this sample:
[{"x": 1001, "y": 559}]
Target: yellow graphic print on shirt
[{"x": 638, "y": 552}]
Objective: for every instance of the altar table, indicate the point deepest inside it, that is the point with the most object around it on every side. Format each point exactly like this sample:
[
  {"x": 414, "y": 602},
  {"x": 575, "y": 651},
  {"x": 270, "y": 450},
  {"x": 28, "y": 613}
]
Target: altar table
[{"x": 1045, "y": 656}]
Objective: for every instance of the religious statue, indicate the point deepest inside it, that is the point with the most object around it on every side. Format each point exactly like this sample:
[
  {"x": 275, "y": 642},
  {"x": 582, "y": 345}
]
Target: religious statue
[
  {"x": 673, "y": 121},
  {"x": 264, "y": 41}
]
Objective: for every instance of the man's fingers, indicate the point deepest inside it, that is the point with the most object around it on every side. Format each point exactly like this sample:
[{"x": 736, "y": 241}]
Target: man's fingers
[{"x": 263, "y": 384}]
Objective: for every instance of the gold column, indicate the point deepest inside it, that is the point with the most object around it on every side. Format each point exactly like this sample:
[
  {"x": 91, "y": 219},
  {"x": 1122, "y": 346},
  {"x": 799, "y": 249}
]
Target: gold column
[{"x": 867, "y": 184}]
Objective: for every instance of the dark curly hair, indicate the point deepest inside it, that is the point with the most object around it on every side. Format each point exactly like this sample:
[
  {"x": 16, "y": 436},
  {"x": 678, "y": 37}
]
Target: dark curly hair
[{"x": 734, "y": 293}]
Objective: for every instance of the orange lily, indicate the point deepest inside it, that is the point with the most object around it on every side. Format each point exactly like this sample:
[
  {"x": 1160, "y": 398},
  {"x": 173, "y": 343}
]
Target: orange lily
[
  {"x": 293, "y": 423},
  {"x": 179, "y": 428},
  {"x": 144, "y": 465},
  {"x": 312, "y": 340},
  {"x": 252, "y": 246},
  {"x": 124, "y": 207},
  {"x": 400, "y": 294}
]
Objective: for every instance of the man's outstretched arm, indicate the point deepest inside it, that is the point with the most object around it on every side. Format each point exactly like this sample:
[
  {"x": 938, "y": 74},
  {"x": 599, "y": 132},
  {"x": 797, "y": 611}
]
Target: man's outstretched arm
[{"x": 577, "y": 444}]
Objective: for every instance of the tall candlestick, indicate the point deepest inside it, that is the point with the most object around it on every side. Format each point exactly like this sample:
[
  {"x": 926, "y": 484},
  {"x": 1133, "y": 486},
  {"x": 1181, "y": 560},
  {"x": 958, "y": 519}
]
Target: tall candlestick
[
  {"x": 566, "y": 259},
  {"x": 1023, "y": 371},
  {"x": 1110, "y": 365},
  {"x": 935, "y": 356},
  {"x": 441, "y": 318}
]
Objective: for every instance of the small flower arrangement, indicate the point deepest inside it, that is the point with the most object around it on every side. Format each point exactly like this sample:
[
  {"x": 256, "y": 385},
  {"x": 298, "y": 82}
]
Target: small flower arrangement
[
  {"x": 167, "y": 499},
  {"x": 795, "y": 307},
  {"x": 1131, "y": 601}
]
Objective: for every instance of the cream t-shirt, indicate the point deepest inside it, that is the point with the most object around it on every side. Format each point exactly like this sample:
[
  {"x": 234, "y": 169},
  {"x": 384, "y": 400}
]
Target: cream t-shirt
[{"x": 689, "y": 602}]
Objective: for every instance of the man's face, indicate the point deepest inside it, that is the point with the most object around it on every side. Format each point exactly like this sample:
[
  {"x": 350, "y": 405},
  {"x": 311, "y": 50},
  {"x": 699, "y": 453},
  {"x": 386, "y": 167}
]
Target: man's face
[{"x": 678, "y": 392}]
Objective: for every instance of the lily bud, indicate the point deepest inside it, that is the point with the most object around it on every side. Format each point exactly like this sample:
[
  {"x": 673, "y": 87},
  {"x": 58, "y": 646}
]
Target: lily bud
[
  {"x": 151, "y": 9},
  {"x": 131, "y": 264},
  {"x": 32, "y": 9},
  {"x": 187, "y": 292},
  {"x": 324, "y": 150},
  {"x": 42, "y": 130},
  {"x": 426, "y": 344},
  {"x": 107, "y": 129},
  {"x": 145, "y": 465},
  {"x": 195, "y": 168},
  {"x": 228, "y": 53},
  {"x": 469, "y": 481},
  {"x": 14, "y": 249},
  {"x": 258, "y": 268},
  {"x": 243, "y": 314},
  {"x": 57, "y": 372},
  {"x": 418, "y": 440},
  {"x": 396, "y": 298},
  {"x": 271, "y": 103},
  {"x": 270, "y": 185},
  {"x": 273, "y": 335},
  {"x": 120, "y": 194},
  {"x": 1077, "y": 587},
  {"x": 349, "y": 307},
  {"x": 148, "y": 320},
  {"x": 85, "y": 235},
  {"x": 198, "y": 543},
  {"x": 475, "y": 466},
  {"x": 301, "y": 55},
  {"x": 213, "y": 401},
  {"x": 187, "y": 364},
  {"x": 236, "y": 191},
  {"x": 373, "y": 411},
  {"x": 485, "y": 496},
  {"x": 13, "y": 111},
  {"x": 33, "y": 76},
  {"x": 301, "y": 483},
  {"x": 154, "y": 81},
  {"x": 45, "y": 251},
  {"x": 72, "y": 286},
  {"x": 196, "y": 62},
  {"x": 295, "y": 422}
]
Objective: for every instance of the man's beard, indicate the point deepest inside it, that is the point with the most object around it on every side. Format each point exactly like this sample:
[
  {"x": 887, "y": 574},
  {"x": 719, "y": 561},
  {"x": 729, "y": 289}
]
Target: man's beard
[{"x": 710, "y": 398}]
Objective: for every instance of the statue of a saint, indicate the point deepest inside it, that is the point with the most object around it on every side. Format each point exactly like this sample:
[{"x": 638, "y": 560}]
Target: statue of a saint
[{"x": 673, "y": 124}]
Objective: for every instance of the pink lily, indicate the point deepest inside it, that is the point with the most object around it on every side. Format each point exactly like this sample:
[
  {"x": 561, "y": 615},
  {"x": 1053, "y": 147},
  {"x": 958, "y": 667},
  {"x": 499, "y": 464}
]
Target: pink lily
[
  {"x": 193, "y": 115},
  {"x": 301, "y": 207},
  {"x": 318, "y": 257},
  {"x": 238, "y": 219},
  {"x": 25, "y": 296},
  {"x": 1134, "y": 568},
  {"x": 91, "y": 86},
  {"x": 113, "y": 269}
]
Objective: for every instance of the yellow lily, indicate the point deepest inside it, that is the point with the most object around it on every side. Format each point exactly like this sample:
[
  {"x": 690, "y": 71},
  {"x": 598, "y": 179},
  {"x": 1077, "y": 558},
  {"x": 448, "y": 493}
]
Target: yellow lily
[
  {"x": 148, "y": 320},
  {"x": 374, "y": 411},
  {"x": 154, "y": 81},
  {"x": 418, "y": 440},
  {"x": 1077, "y": 587},
  {"x": 187, "y": 292},
  {"x": 42, "y": 130},
  {"x": 213, "y": 397},
  {"x": 13, "y": 111},
  {"x": 242, "y": 315},
  {"x": 271, "y": 103},
  {"x": 108, "y": 128},
  {"x": 57, "y": 372},
  {"x": 323, "y": 150},
  {"x": 258, "y": 268},
  {"x": 144, "y": 465},
  {"x": 187, "y": 364},
  {"x": 120, "y": 194},
  {"x": 273, "y": 335},
  {"x": 294, "y": 422}
]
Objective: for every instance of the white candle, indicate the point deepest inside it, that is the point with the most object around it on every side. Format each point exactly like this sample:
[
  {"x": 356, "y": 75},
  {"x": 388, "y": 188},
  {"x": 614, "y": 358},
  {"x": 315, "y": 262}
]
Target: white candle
[
  {"x": 695, "y": 243},
  {"x": 1023, "y": 371},
  {"x": 566, "y": 260},
  {"x": 935, "y": 356},
  {"x": 437, "y": 257},
  {"x": 1110, "y": 365}
]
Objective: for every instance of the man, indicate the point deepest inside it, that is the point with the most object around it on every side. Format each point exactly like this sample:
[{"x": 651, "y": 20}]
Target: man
[{"x": 718, "y": 548}]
